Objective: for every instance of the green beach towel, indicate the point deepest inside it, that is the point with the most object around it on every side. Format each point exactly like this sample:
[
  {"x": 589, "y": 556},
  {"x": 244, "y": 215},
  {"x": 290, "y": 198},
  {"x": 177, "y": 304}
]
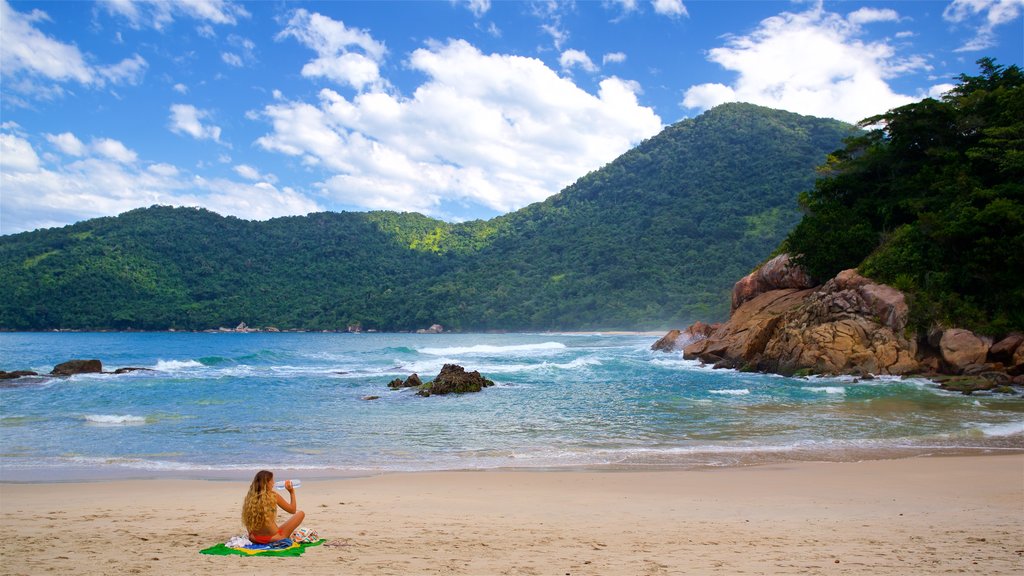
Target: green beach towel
[{"x": 295, "y": 550}]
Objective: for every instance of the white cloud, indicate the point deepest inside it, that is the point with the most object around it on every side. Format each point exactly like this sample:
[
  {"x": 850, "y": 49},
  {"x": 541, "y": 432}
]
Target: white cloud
[
  {"x": 231, "y": 59},
  {"x": 572, "y": 58},
  {"x": 16, "y": 155},
  {"x": 992, "y": 13},
  {"x": 187, "y": 119},
  {"x": 869, "y": 15},
  {"x": 250, "y": 173},
  {"x": 673, "y": 8},
  {"x": 67, "y": 143},
  {"x": 477, "y": 7},
  {"x": 811, "y": 63},
  {"x": 613, "y": 57},
  {"x": 108, "y": 179},
  {"x": 159, "y": 13},
  {"x": 181, "y": 88},
  {"x": 495, "y": 130},
  {"x": 334, "y": 44},
  {"x": 939, "y": 90},
  {"x": 28, "y": 56},
  {"x": 114, "y": 150}
]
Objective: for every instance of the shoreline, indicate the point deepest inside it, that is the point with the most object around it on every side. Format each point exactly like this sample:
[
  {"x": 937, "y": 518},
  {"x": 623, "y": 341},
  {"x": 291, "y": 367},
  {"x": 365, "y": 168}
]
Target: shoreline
[
  {"x": 924, "y": 515},
  {"x": 113, "y": 473}
]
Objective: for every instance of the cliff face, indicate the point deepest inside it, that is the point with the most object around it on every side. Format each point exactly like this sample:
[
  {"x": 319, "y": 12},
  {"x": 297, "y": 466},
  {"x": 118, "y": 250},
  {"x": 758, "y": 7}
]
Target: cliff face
[{"x": 848, "y": 325}]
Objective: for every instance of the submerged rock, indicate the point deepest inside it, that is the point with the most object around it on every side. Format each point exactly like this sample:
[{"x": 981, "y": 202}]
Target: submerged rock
[
  {"x": 453, "y": 379},
  {"x": 129, "y": 369},
  {"x": 16, "y": 374},
  {"x": 72, "y": 367}
]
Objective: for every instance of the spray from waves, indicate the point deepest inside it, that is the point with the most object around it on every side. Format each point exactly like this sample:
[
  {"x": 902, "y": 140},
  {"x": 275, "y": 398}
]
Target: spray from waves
[
  {"x": 999, "y": 430},
  {"x": 114, "y": 419},
  {"x": 176, "y": 365},
  {"x": 732, "y": 392},
  {"x": 433, "y": 366},
  {"x": 827, "y": 389},
  {"x": 493, "y": 350}
]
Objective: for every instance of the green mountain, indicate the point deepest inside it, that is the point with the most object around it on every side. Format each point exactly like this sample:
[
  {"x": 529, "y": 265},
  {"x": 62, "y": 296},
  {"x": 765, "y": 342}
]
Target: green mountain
[
  {"x": 655, "y": 238},
  {"x": 931, "y": 200}
]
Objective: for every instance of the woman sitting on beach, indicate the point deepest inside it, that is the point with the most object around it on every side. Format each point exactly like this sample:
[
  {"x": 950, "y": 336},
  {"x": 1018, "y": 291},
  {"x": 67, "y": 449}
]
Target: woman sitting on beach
[{"x": 259, "y": 512}]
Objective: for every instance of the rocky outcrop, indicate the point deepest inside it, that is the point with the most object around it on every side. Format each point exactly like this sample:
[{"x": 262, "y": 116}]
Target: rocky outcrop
[
  {"x": 676, "y": 340},
  {"x": 434, "y": 329},
  {"x": 453, "y": 379},
  {"x": 412, "y": 381},
  {"x": 775, "y": 274},
  {"x": 72, "y": 367},
  {"x": 849, "y": 325}
]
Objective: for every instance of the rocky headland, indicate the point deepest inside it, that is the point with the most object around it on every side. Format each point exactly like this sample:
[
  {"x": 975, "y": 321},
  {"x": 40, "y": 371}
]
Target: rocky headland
[{"x": 783, "y": 322}]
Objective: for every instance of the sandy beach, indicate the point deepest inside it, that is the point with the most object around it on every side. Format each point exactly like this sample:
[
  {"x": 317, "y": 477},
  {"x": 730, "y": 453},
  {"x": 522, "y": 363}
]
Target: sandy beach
[{"x": 933, "y": 515}]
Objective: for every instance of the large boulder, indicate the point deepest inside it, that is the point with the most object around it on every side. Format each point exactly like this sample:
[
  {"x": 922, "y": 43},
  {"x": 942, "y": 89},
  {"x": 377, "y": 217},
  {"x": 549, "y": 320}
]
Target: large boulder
[
  {"x": 848, "y": 325},
  {"x": 778, "y": 273},
  {"x": 1004, "y": 350},
  {"x": 72, "y": 367},
  {"x": 961, "y": 348},
  {"x": 676, "y": 340},
  {"x": 453, "y": 379}
]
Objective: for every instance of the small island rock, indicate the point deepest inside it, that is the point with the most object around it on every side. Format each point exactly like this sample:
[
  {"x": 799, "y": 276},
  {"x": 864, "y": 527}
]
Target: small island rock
[
  {"x": 72, "y": 367},
  {"x": 454, "y": 379}
]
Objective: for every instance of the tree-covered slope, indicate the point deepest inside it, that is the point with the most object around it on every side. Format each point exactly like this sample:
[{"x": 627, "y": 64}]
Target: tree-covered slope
[
  {"x": 656, "y": 237},
  {"x": 932, "y": 201}
]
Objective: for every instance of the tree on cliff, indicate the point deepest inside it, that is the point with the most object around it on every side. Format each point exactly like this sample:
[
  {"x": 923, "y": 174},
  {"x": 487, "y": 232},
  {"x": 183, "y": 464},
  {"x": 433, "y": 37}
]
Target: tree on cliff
[{"x": 931, "y": 200}]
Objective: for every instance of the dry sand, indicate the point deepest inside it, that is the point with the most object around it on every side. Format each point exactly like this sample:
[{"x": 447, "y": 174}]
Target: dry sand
[{"x": 913, "y": 516}]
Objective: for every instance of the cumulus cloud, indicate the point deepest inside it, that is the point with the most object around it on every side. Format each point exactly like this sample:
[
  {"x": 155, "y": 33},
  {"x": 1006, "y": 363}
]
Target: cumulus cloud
[
  {"x": 28, "y": 57},
  {"x": 573, "y": 58},
  {"x": 673, "y": 8},
  {"x": 107, "y": 178},
  {"x": 812, "y": 63},
  {"x": 157, "y": 14},
  {"x": 251, "y": 173},
  {"x": 347, "y": 56},
  {"x": 868, "y": 15},
  {"x": 187, "y": 119},
  {"x": 983, "y": 16},
  {"x": 67, "y": 143},
  {"x": 492, "y": 130}
]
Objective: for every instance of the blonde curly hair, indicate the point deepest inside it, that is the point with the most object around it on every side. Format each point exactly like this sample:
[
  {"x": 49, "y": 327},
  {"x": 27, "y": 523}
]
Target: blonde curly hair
[{"x": 260, "y": 507}]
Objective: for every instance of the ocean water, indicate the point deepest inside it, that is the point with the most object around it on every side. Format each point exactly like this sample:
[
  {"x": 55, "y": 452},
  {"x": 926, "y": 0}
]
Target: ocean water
[{"x": 221, "y": 403}]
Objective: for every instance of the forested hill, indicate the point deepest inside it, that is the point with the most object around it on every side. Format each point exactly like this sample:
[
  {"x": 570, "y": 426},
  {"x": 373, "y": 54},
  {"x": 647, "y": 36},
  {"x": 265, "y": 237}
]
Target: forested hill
[{"x": 655, "y": 238}]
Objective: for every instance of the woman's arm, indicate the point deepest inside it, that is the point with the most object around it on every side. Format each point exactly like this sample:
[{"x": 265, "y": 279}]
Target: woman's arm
[{"x": 288, "y": 507}]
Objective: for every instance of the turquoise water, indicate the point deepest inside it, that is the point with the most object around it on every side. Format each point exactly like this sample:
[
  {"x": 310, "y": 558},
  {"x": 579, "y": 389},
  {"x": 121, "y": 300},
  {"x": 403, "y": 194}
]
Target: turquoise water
[{"x": 236, "y": 402}]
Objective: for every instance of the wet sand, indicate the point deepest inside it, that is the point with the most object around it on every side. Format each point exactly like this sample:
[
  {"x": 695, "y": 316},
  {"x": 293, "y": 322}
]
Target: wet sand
[{"x": 934, "y": 515}]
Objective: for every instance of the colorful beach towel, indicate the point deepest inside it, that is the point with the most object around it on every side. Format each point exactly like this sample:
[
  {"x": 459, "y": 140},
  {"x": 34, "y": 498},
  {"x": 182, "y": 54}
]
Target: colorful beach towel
[{"x": 273, "y": 549}]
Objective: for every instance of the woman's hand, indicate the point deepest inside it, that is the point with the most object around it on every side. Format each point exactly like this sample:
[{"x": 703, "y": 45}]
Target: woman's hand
[{"x": 288, "y": 486}]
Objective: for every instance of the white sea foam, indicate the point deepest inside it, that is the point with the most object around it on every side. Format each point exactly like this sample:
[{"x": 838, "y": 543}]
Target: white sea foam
[
  {"x": 114, "y": 419},
  {"x": 733, "y": 392},
  {"x": 827, "y": 389},
  {"x": 176, "y": 365},
  {"x": 493, "y": 350},
  {"x": 1005, "y": 429}
]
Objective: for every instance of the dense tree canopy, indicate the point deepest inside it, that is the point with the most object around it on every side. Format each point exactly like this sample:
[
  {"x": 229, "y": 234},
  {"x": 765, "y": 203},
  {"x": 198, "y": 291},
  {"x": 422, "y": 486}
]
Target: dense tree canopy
[
  {"x": 931, "y": 200},
  {"x": 655, "y": 238}
]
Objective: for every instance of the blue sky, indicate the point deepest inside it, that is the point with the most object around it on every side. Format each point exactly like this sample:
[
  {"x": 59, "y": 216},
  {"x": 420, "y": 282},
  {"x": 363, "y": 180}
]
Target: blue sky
[{"x": 458, "y": 110}]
